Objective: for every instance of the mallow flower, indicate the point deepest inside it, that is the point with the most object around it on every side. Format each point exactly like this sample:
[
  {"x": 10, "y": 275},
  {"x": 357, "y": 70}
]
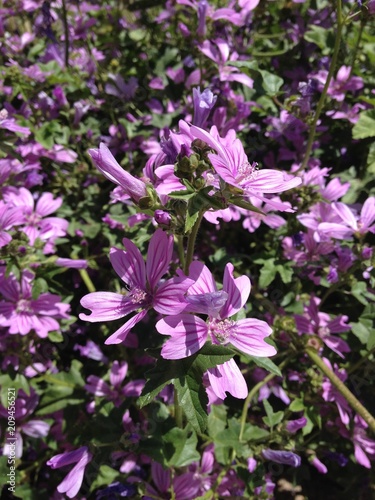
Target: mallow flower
[
  {"x": 106, "y": 163},
  {"x": 282, "y": 457},
  {"x": 73, "y": 481},
  {"x": 232, "y": 165},
  {"x": 144, "y": 290},
  {"x": 188, "y": 333}
]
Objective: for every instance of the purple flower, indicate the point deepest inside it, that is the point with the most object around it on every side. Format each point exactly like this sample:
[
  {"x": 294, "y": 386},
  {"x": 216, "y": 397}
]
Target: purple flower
[
  {"x": 231, "y": 164},
  {"x": 25, "y": 405},
  {"x": 11, "y": 125},
  {"x": 319, "y": 466},
  {"x": 227, "y": 377},
  {"x": 364, "y": 447},
  {"x": 115, "y": 392},
  {"x": 295, "y": 425},
  {"x": 282, "y": 457},
  {"x": 338, "y": 86},
  {"x": 350, "y": 223},
  {"x": 189, "y": 333},
  {"x": 142, "y": 281},
  {"x": 109, "y": 167},
  {"x": 72, "y": 263},
  {"x": 330, "y": 393},
  {"x": 318, "y": 323},
  {"x": 35, "y": 223},
  {"x": 185, "y": 486},
  {"x": 203, "y": 103},
  {"x": 162, "y": 217},
  {"x": 21, "y": 313},
  {"x": 9, "y": 217},
  {"x": 73, "y": 481}
]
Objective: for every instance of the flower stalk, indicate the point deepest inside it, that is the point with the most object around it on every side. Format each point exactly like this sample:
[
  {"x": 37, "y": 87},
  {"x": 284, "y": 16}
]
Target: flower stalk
[
  {"x": 341, "y": 387},
  {"x": 332, "y": 66}
]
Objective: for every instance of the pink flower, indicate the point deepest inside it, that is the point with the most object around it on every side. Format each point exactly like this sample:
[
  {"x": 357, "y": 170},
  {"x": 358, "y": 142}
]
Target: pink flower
[
  {"x": 318, "y": 323},
  {"x": 73, "y": 481},
  {"x": 21, "y": 313},
  {"x": 9, "y": 217},
  {"x": 35, "y": 223},
  {"x": 115, "y": 391},
  {"x": 144, "y": 290},
  {"x": 351, "y": 223},
  {"x": 364, "y": 447},
  {"x": 189, "y": 333},
  {"x": 106, "y": 163},
  {"x": 330, "y": 393},
  {"x": 185, "y": 486},
  {"x": 231, "y": 164}
]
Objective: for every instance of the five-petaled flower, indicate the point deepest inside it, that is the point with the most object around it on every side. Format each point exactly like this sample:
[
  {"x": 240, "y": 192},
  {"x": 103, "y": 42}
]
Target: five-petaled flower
[
  {"x": 189, "y": 332},
  {"x": 144, "y": 290}
]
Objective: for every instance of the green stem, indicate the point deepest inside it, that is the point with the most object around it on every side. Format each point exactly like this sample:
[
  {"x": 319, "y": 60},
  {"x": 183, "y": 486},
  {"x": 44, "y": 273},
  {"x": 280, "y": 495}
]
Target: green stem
[
  {"x": 180, "y": 249},
  {"x": 191, "y": 243},
  {"x": 254, "y": 391},
  {"x": 332, "y": 66},
  {"x": 87, "y": 280},
  {"x": 341, "y": 387}
]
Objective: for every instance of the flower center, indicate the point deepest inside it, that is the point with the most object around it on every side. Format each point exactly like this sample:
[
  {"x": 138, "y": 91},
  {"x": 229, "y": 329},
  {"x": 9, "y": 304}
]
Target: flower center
[
  {"x": 323, "y": 331},
  {"x": 33, "y": 219},
  {"x": 247, "y": 172},
  {"x": 23, "y": 306},
  {"x": 138, "y": 296},
  {"x": 3, "y": 114},
  {"x": 221, "y": 329}
]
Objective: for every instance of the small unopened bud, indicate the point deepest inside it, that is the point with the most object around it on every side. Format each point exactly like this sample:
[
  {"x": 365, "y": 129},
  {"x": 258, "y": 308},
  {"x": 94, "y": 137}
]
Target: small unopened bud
[{"x": 162, "y": 218}]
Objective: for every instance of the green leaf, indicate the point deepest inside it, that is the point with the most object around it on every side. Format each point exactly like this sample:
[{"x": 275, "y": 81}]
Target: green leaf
[
  {"x": 186, "y": 375},
  {"x": 182, "y": 445},
  {"x": 271, "y": 82},
  {"x": 322, "y": 37},
  {"x": 192, "y": 214},
  {"x": 267, "y": 274},
  {"x": 46, "y": 134},
  {"x": 240, "y": 202},
  {"x": 105, "y": 476},
  {"x": 181, "y": 195},
  {"x": 59, "y": 389},
  {"x": 193, "y": 399},
  {"x": 217, "y": 420},
  {"x": 362, "y": 330},
  {"x": 272, "y": 418},
  {"x": 12, "y": 382},
  {"x": 266, "y": 363},
  {"x": 254, "y": 433},
  {"x": 365, "y": 126},
  {"x": 39, "y": 286},
  {"x": 297, "y": 405}
]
